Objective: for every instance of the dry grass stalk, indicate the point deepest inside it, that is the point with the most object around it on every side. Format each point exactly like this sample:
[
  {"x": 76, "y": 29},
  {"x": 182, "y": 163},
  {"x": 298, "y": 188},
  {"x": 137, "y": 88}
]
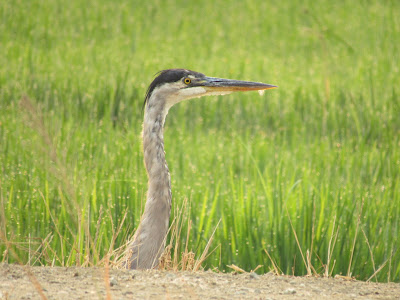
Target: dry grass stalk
[
  {"x": 354, "y": 241},
  {"x": 236, "y": 268},
  {"x": 277, "y": 270},
  {"x": 330, "y": 252}
]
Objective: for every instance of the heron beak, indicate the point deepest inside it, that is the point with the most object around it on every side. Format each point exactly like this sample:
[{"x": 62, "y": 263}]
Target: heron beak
[{"x": 212, "y": 84}]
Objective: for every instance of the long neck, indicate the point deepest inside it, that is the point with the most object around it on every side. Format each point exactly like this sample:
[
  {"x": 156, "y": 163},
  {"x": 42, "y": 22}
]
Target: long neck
[
  {"x": 159, "y": 190},
  {"x": 149, "y": 240}
]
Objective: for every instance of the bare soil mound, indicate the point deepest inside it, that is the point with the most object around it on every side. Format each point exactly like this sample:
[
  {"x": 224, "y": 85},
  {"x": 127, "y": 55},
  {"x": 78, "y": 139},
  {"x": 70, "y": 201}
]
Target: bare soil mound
[{"x": 18, "y": 282}]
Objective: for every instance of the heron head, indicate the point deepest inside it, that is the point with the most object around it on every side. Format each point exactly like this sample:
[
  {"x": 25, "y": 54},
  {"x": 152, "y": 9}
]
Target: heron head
[{"x": 175, "y": 85}]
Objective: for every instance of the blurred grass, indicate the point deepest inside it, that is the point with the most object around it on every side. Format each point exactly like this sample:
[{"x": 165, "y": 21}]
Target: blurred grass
[{"x": 323, "y": 147}]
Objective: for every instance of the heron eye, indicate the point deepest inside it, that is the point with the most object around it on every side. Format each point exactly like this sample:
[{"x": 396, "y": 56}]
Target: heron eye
[{"x": 187, "y": 80}]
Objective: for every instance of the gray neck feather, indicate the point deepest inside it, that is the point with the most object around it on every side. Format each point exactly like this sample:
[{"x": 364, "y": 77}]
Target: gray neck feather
[{"x": 149, "y": 240}]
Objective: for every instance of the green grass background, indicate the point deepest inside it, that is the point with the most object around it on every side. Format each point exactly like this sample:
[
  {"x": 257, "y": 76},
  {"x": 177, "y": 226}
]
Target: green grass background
[{"x": 322, "y": 151}]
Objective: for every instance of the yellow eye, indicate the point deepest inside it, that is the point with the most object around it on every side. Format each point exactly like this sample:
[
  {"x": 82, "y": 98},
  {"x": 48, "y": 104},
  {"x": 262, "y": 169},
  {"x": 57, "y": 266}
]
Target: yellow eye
[{"x": 187, "y": 80}]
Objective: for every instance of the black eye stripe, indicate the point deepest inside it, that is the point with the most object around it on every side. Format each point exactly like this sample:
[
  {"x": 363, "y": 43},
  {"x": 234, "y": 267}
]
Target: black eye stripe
[{"x": 167, "y": 76}]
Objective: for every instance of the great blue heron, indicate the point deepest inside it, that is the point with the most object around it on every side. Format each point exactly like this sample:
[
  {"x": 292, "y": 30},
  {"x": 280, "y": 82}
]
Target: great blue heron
[{"x": 168, "y": 88}]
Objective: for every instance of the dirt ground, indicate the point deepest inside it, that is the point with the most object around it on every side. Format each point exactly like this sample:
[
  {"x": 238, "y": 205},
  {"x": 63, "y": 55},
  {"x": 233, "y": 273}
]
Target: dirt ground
[{"x": 17, "y": 282}]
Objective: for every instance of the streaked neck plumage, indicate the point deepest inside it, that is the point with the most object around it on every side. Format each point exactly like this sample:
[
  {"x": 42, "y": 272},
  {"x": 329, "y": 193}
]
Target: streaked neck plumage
[{"x": 149, "y": 240}]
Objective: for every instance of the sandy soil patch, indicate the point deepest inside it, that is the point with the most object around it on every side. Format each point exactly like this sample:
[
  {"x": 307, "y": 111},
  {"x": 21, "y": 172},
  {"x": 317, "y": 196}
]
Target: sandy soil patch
[{"x": 93, "y": 283}]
